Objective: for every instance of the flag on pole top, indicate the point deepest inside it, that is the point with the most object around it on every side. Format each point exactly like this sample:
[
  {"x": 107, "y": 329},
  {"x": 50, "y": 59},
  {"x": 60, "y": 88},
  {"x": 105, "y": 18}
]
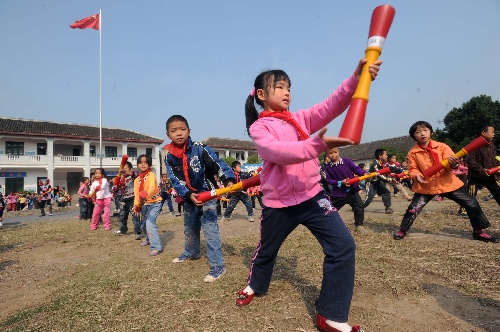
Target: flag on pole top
[{"x": 91, "y": 22}]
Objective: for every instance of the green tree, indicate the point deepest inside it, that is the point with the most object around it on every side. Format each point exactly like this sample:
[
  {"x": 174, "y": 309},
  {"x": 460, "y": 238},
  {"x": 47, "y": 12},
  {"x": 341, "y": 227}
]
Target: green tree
[
  {"x": 229, "y": 160},
  {"x": 460, "y": 124},
  {"x": 254, "y": 159},
  {"x": 400, "y": 155}
]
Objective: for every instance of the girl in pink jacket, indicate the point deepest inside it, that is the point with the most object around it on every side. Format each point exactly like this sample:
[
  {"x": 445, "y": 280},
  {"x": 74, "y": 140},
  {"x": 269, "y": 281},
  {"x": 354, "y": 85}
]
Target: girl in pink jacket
[{"x": 292, "y": 194}]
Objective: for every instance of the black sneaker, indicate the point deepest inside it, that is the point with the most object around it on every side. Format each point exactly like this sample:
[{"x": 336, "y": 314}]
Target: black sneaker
[
  {"x": 483, "y": 236},
  {"x": 399, "y": 235},
  {"x": 42, "y": 215},
  {"x": 388, "y": 210}
]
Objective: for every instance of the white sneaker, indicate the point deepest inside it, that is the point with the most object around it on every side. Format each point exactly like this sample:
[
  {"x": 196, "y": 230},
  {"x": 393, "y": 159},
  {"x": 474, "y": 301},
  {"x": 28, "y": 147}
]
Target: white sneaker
[
  {"x": 250, "y": 218},
  {"x": 1, "y": 225},
  {"x": 226, "y": 218},
  {"x": 215, "y": 273}
]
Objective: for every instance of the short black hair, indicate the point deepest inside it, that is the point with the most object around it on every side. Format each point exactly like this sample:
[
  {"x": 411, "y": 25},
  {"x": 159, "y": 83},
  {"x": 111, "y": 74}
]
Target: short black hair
[
  {"x": 414, "y": 126},
  {"x": 379, "y": 152},
  {"x": 234, "y": 164},
  {"x": 482, "y": 128},
  {"x": 361, "y": 165},
  {"x": 177, "y": 117}
]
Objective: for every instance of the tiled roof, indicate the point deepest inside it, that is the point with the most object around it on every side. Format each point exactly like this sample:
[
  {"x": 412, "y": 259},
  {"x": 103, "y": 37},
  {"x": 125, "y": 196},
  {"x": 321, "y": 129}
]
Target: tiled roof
[
  {"x": 366, "y": 150},
  {"x": 229, "y": 143},
  {"x": 24, "y": 127}
]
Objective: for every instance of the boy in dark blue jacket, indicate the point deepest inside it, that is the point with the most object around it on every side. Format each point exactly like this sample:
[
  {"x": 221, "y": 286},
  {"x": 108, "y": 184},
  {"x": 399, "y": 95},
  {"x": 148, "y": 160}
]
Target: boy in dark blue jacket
[
  {"x": 192, "y": 168},
  {"x": 235, "y": 197}
]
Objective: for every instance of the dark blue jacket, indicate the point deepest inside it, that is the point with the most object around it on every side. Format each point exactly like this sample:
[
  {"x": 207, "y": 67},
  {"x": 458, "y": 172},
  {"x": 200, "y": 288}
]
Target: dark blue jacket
[{"x": 203, "y": 165}]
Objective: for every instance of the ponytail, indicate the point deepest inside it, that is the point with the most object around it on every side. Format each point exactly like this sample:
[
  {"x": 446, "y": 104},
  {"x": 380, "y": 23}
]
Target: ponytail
[{"x": 251, "y": 113}]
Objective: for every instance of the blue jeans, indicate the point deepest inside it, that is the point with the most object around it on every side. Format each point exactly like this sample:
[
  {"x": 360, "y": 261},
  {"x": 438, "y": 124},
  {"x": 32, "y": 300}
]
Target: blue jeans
[
  {"x": 149, "y": 213},
  {"x": 168, "y": 198},
  {"x": 234, "y": 200},
  {"x": 205, "y": 217}
]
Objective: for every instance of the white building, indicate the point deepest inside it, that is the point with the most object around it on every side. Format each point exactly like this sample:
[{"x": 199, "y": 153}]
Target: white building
[
  {"x": 64, "y": 153},
  {"x": 229, "y": 147}
]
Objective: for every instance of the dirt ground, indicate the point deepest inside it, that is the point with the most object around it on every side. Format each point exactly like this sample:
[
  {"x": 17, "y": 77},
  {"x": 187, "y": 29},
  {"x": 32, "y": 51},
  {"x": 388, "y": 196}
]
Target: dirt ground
[{"x": 437, "y": 308}]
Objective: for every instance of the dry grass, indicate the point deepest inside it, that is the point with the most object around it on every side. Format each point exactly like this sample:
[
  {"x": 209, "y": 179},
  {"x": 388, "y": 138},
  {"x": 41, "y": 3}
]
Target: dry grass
[{"x": 61, "y": 277}]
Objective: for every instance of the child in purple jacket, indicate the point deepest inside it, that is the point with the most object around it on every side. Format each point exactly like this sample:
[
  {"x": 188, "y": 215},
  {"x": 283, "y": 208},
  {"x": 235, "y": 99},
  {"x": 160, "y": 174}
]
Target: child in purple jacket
[
  {"x": 290, "y": 179},
  {"x": 337, "y": 171}
]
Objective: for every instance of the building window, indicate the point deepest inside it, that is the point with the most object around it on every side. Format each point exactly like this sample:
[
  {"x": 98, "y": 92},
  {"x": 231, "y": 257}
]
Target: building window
[
  {"x": 41, "y": 149},
  {"x": 14, "y": 185},
  {"x": 217, "y": 154},
  {"x": 132, "y": 152},
  {"x": 110, "y": 151},
  {"x": 92, "y": 151},
  {"x": 149, "y": 152},
  {"x": 16, "y": 148},
  {"x": 242, "y": 156},
  {"x": 237, "y": 156}
]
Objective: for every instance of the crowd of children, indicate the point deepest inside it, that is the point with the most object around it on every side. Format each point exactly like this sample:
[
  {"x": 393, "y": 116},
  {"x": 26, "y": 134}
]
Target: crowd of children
[{"x": 294, "y": 190}]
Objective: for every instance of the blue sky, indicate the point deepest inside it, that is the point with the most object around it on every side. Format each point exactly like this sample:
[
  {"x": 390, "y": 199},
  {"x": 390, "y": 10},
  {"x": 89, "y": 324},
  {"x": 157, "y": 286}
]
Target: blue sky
[{"x": 200, "y": 58}]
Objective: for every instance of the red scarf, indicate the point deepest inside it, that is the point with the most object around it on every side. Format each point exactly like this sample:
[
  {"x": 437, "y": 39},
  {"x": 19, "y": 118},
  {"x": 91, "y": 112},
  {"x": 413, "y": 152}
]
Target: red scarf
[
  {"x": 434, "y": 155},
  {"x": 142, "y": 175},
  {"x": 286, "y": 116},
  {"x": 181, "y": 154}
]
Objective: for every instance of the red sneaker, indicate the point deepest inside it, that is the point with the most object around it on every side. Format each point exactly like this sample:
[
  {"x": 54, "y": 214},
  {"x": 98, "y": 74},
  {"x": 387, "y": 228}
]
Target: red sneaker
[
  {"x": 323, "y": 326},
  {"x": 483, "y": 236},
  {"x": 244, "y": 298}
]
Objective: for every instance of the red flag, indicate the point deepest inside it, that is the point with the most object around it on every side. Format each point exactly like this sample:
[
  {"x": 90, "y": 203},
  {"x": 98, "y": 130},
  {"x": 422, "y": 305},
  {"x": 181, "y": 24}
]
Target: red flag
[{"x": 91, "y": 22}]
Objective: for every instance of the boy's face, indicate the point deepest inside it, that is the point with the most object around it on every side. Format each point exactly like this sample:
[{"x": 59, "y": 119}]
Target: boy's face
[
  {"x": 383, "y": 156},
  {"x": 237, "y": 168},
  {"x": 422, "y": 135},
  {"x": 393, "y": 159},
  {"x": 489, "y": 134},
  {"x": 164, "y": 178},
  {"x": 333, "y": 155},
  {"x": 178, "y": 132}
]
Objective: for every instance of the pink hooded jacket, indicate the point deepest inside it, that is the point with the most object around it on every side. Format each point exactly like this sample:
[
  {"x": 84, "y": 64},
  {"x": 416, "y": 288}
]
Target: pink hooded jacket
[{"x": 290, "y": 173}]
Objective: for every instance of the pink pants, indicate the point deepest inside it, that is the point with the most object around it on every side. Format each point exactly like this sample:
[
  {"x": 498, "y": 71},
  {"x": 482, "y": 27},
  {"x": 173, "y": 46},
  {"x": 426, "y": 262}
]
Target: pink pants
[{"x": 100, "y": 204}]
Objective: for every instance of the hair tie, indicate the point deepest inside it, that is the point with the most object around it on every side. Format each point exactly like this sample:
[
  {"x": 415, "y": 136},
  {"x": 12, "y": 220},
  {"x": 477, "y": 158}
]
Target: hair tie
[{"x": 252, "y": 92}]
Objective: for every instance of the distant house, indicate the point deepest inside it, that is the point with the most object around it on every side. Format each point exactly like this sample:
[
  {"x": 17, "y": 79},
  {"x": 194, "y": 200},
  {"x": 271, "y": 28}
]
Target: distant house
[
  {"x": 236, "y": 148},
  {"x": 364, "y": 153},
  {"x": 225, "y": 147},
  {"x": 62, "y": 152}
]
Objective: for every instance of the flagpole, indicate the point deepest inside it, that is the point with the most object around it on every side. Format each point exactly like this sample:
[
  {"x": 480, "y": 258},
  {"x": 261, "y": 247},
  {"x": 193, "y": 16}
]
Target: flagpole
[{"x": 100, "y": 88}]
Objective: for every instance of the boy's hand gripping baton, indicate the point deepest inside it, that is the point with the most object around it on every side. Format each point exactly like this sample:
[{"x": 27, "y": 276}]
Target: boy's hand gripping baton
[
  {"x": 493, "y": 170},
  {"x": 385, "y": 170},
  {"x": 242, "y": 185}
]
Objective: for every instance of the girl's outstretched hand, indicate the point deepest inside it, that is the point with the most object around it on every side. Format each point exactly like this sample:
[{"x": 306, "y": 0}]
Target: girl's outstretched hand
[
  {"x": 373, "y": 68},
  {"x": 333, "y": 142}
]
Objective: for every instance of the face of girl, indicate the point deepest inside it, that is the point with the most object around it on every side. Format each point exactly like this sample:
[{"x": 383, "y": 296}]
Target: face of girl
[
  {"x": 422, "y": 135},
  {"x": 178, "y": 132},
  {"x": 143, "y": 164},
  {"x": 276, "y": 99},
  {"x": 126, "y": 169},
  {"x": 98, "y": 174}
]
